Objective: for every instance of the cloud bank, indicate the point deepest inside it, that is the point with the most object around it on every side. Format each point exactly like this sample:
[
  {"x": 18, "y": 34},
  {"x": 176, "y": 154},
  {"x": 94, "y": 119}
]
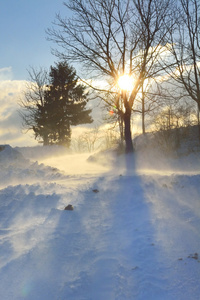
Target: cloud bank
[{"x": 10, "y": 120}]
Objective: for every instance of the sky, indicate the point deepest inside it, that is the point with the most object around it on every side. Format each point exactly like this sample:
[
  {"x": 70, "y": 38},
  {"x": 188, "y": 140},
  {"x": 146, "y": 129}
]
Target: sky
[
  {"x": 23, "y": 38},
  {"x": 23, "y": 44}
]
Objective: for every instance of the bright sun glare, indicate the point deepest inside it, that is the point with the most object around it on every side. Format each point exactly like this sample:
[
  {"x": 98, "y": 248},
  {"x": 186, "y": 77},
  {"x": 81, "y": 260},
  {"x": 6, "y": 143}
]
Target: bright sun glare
[{"x": 125, "y": 82}]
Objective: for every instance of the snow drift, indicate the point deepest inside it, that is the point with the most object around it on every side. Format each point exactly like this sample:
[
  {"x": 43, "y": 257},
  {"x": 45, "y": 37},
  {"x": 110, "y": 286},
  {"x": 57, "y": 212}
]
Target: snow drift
[{"x": 131, "y": 236}]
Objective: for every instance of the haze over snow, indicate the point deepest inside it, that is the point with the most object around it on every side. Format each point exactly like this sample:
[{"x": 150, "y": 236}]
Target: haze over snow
[{"x": 132, "y": 234}]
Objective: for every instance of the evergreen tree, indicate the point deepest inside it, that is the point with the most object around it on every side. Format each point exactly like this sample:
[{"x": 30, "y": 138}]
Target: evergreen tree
[{"x": 64, "y": 105}]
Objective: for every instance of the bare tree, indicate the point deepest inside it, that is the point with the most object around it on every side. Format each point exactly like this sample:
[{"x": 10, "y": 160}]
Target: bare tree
[
  {"x": 171, "y": 122},
  {"x": 34, "y": 96},
  {"x": 91, "y": 138},
  {"x": 110, "y": 38},
  {"x": 110, "y": 139},
  {"x": 148, "y": 101},
  {"x": 88, "y": 141},
  {"x": 185, "y": 49}
]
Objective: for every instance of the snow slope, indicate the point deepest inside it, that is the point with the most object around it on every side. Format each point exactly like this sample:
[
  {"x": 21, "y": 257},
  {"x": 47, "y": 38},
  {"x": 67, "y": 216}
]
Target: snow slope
[{"x": 131, "y": 236}]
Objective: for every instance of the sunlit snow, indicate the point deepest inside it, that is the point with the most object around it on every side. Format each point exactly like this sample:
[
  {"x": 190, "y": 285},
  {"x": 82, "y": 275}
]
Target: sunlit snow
[{"x": 133, "y": 234}]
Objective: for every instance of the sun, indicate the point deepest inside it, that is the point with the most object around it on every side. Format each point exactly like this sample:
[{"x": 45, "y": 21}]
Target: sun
[{"x": 125, "y": 82}]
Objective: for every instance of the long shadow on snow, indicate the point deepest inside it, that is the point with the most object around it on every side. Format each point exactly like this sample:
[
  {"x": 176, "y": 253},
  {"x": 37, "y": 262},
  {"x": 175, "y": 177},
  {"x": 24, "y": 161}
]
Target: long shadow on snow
[
  {"x": 22, "y": 233},
  {"x": 105, "y": 248}
]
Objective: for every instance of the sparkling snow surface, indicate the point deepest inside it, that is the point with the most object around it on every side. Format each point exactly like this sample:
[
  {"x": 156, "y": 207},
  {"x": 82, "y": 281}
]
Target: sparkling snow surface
[{"x": 134, "y": 234}]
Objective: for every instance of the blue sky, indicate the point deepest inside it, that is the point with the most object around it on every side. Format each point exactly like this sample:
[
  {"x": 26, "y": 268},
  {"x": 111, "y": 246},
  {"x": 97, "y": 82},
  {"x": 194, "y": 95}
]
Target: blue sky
[{"x": 22, "y": 35}]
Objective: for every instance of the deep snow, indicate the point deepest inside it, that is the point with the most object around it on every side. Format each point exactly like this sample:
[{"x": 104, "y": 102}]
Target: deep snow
[{"x": 133, "y": 235}]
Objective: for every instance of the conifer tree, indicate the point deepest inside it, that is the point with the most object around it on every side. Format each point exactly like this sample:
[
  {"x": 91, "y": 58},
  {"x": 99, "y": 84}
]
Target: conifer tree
[{"x": 63, "y": 105}]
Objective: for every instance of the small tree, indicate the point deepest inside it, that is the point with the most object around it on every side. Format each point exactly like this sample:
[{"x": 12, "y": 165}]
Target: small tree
[
  {"x": 110, "y": 138},
  {"x": 87, "y": 141},
  {"x": 33, "y": 102},
  {"x": 90, "y": 139}
]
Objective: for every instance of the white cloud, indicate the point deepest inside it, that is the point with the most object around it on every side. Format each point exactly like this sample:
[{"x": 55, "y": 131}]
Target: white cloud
[
  {"x": 6, "y": 73},
  {"x": 10, "y": 121}
]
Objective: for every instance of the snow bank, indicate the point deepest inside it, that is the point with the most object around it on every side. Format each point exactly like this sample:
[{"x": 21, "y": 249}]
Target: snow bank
[
  {"x": 9, "y": 155},
  {"x": 17, "y": 169},
  {"x": 153, "y": 154}
]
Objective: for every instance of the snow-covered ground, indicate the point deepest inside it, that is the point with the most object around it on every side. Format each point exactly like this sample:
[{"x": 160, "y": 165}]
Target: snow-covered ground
[{"x": 132, "y": 235}]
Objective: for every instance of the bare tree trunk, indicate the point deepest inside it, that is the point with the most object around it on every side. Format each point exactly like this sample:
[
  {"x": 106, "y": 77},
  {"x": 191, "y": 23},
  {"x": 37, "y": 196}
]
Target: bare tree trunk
[
  {"x": 198, "y": 118},
  {"x": 127, "y": 131},
  {"x": 45, "y": 139},
  {"x": 143, "y": 110},
  {"x": 121, "y": 129}
]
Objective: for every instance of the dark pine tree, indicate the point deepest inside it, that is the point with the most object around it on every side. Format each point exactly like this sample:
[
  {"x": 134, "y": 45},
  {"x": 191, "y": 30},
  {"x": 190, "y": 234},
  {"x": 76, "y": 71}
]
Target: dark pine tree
[
  {"x": 65, "y": 105},
  {"x": 41, "y": 127}
]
